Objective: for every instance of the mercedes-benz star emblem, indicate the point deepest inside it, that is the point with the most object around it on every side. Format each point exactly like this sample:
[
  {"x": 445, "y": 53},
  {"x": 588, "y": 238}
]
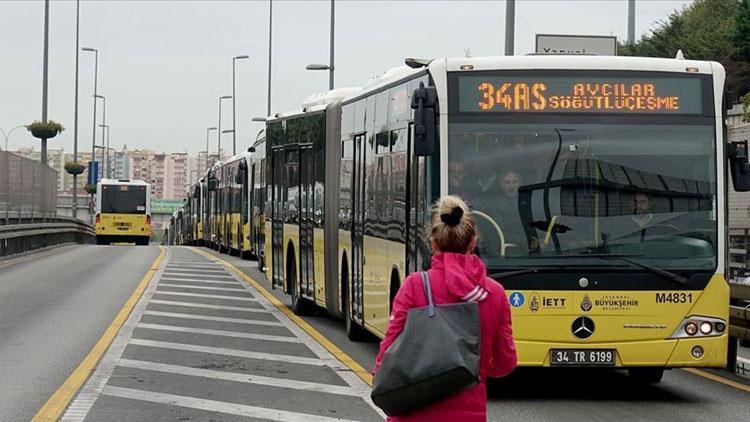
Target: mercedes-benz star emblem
[{"x": 583, "y": 327}]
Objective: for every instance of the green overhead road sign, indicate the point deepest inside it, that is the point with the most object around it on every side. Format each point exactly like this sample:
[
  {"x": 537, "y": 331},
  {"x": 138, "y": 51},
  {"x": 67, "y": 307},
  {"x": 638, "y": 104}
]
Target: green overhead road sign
[{"x": 165, "y": 206}]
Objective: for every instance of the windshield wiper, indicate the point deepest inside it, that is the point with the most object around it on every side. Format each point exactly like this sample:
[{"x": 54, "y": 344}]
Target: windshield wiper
[
  {"x": 625, "y": 258},
  {"x": 664, "y": 273},
  {"x": 509, "y": 274}
]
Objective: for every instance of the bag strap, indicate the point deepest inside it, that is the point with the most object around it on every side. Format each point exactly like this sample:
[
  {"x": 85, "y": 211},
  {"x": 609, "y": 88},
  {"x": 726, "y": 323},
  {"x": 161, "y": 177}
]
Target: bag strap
[{"x": 428, "y": 293}]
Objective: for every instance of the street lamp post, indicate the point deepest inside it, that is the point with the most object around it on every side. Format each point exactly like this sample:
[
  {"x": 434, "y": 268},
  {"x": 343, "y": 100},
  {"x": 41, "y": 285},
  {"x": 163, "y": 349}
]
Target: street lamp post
[
  {"x": 330, "y": 54},
  {"x": 45, "y": 84},
  {"x": 93, "y": 136},
  {"x": 75, "y": 113},
  {"x": 101, "y": 147},
  {"x": 234, "y": 106},
  {"x": 329, "y": 67},
  {"x": 104, "y": 123},
  {"x": 106, "y": 150},
  {"x": 7, "y": 135},
  {"x": 208, "y": 129},
  {"x": 270, "y": 38},
  {"x": 510, "y": 27},
  {"x": 218, "y": 150}
]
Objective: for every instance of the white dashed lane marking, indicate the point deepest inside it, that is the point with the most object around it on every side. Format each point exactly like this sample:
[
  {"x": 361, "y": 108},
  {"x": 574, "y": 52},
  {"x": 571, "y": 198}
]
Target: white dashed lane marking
[
  {"x": 213, "y": 318},
  {"x": 225, "y": 305}
]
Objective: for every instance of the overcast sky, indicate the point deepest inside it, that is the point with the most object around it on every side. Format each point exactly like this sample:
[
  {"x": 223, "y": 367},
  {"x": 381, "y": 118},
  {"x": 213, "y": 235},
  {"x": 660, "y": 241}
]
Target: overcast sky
[{"x": 164, "y": 64}]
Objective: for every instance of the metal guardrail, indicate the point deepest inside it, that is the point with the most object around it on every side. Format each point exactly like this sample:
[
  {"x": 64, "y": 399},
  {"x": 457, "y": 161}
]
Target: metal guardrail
[{"x": 38, "y": 232}]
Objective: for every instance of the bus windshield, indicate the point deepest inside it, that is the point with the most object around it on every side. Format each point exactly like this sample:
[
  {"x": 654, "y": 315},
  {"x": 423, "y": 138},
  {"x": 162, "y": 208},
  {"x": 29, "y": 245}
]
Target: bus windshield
[
  {"x": 561, "y": 193},
  {"x": 123, "y": 199}
]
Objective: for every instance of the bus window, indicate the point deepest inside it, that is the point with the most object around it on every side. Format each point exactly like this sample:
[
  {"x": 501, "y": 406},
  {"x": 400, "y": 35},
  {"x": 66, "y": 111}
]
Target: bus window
[{"x": 121, "y": 199}]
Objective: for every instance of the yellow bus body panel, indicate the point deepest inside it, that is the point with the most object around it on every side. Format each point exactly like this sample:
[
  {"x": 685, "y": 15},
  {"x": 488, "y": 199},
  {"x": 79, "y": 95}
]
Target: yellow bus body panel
[
  {"x": 122, "y": 225},
  {"x": 377, "y": 275},
  {"x": 319, "y": 265},
  {"x": 291, "y": 238},
  {"x": 246, "y": 246},
  {"x": 634, "y": 323}
]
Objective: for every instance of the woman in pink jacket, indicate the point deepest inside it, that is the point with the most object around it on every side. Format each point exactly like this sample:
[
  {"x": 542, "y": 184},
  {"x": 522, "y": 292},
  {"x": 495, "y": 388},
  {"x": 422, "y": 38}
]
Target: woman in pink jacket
[{"x": 457, "y": 275}]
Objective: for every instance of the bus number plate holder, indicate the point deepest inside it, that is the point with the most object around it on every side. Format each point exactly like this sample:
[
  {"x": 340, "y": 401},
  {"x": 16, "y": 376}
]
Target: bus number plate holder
[{"x": 582, "y": 357}]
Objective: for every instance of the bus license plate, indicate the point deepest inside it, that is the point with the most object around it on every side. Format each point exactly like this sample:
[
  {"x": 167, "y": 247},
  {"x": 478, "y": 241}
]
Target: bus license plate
[{"x": 582, "y": 357}]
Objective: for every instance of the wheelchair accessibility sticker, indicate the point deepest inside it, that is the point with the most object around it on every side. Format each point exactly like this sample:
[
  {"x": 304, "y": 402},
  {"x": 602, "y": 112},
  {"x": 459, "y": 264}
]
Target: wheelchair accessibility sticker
[{"x": 517, "y": 299}]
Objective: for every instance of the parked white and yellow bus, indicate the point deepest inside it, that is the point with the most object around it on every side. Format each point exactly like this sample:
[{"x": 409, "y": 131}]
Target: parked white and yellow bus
[
  {"x": 598, "y": 184},
  {"x": 123, "y": 211}
]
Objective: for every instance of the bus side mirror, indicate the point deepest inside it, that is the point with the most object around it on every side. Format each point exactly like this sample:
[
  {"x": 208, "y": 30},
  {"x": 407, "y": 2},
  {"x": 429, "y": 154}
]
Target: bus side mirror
[
  {"x": 424, "y": 103},
  {"x": 729, "y": 100},
  {"x": 239, "y": 177},
  {"x": 212, "y": 184},
  {"x": 739, "y": 166}
]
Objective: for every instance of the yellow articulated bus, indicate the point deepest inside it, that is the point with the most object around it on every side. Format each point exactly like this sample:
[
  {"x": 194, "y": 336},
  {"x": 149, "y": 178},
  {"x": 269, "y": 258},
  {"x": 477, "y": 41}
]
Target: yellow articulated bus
[
  {"x": 235, "y": 181},
  {"x": 123, "y": 211},
  {"x": 598, "y": 185}
]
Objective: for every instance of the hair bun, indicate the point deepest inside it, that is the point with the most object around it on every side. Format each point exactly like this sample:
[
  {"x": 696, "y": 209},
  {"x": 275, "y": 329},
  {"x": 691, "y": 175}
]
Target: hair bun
[{"x": 454, "y": 217}]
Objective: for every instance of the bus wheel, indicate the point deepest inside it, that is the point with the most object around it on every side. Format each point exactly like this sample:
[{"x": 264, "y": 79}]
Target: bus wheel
[
  {"x": 354, "y": 331},
  {"x": 646, "y": 375},
  {"x": 261, "y": 264},
  {"x": 300, "y": 306}
]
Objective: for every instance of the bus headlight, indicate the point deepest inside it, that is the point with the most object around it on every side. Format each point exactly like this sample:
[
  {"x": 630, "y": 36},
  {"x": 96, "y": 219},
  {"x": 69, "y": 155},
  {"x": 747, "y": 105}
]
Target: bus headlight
[{"x": 699, "y": 326}]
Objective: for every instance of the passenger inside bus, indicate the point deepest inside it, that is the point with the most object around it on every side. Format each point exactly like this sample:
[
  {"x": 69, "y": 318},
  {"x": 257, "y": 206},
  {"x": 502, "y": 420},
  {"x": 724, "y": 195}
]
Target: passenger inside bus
[{"x": 501, "y": 204}]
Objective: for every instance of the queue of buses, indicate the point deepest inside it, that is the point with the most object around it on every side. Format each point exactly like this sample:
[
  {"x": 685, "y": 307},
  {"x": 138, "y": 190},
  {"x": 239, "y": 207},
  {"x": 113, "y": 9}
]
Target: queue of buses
[{"x": 598, "y": 184}]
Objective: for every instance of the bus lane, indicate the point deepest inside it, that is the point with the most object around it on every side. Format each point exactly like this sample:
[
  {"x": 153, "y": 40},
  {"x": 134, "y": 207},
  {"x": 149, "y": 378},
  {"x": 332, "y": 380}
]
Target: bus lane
[{"x": 202, "y": 345}]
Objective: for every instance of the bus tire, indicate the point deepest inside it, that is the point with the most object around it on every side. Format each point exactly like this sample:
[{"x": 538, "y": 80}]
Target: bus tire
[
  {"x": 261, "y": 264},
  {"x": 300, "y": 305},
  {"x": 354, "y": 331},
  {"x": 646, "y": 375},
  {"x": 101, "y": 241}
]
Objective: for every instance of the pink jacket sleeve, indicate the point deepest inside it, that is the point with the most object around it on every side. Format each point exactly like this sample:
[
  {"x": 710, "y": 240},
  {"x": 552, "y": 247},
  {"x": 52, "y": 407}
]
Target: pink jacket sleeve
[
  {"x": 401, "y": 305},
  {"x": 504, "y": 358}
]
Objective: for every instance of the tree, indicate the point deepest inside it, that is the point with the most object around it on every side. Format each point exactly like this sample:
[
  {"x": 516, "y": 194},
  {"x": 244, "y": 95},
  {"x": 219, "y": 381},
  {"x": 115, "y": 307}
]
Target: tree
[
  {"x": 703, "y": 31},
  {"x": 741, "y": 33},
  {"x": 717, "y": 30}
]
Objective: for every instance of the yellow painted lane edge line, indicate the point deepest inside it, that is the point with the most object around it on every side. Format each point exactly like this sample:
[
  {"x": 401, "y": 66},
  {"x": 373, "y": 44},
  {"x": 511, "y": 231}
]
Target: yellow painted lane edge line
[
  {"x": 58, "y": 402},
  {"x": 716, "y": 378},
  {"x": 304, "y": 325}
]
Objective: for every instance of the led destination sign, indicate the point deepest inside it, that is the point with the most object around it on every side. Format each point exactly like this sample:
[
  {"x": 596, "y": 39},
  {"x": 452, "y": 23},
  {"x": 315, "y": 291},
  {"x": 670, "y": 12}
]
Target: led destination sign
[{"x": 579, "y": 95}]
